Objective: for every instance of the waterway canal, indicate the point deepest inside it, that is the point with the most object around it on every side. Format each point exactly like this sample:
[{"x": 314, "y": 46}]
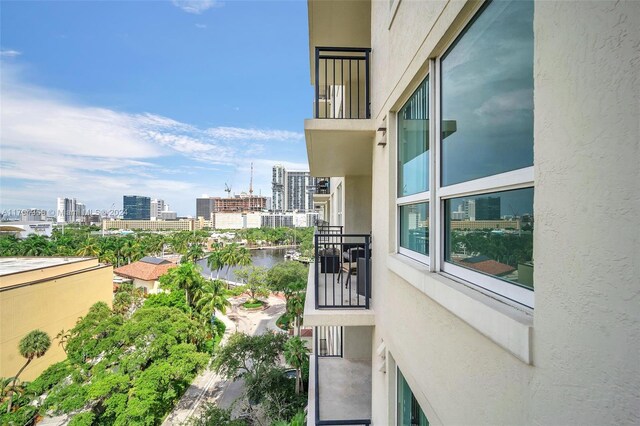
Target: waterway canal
[{"x": 266, "y": 257}]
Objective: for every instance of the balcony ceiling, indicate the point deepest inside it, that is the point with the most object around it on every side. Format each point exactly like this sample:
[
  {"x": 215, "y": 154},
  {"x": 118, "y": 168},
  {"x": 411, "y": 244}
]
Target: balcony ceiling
[
  {"x": 339, "y": 147},
  {"x": 338, "y": 23}
]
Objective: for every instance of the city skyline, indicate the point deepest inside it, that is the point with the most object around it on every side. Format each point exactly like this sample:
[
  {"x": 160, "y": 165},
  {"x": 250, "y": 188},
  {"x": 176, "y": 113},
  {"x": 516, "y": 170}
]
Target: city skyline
[{"x": 133, "y": 111}]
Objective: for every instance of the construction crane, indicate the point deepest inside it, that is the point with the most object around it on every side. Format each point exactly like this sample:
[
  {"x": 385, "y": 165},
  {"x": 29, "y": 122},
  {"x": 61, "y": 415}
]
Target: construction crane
[
  {"x": 251, "y": 181},
  {"x": 227, "y": 189}
]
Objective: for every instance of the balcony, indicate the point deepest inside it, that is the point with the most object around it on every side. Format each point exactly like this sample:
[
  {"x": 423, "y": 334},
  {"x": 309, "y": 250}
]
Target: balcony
[
  {"x": 322, "y": 187},
  {"x": 342, "y": 83},
  {"x": 339, "y": 285},
  {"x": 340, "y": 387},
  {"x": 340, "y": 136}
]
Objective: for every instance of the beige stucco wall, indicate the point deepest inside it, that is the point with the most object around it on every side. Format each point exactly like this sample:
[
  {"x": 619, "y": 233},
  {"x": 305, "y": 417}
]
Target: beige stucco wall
[
  {"x": 357, "y": 342},
  {"x": 586, "y": 324},
  {"x": 51, "y": 306},
  {"x": 357, "y": 204},
  {"x": 587, "y": 156},
  {"x": 151, "y": 286}
]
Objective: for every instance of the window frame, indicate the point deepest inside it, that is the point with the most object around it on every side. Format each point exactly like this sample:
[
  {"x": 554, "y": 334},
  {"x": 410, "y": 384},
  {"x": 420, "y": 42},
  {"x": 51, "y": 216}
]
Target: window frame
[
  {"x": 397, "y": 399},
  {"x": 436, "y": 195},
  {"x": 419, "y": 197}
]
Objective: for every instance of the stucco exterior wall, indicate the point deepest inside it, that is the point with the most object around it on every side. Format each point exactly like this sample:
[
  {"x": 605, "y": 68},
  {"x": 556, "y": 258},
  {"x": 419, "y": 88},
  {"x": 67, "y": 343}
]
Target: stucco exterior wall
[
  {"x": 587, "y": 157},
  {"x": 52, "y": 305},
  {"x": 357, "y": 342},
  {"x": 586, "y": 324},
  {"x": 358, "y": 204}
]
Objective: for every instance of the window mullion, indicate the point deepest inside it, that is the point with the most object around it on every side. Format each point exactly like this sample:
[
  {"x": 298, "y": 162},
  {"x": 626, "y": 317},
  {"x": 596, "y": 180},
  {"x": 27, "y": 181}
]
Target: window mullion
[{"x": 435, "y": 213}]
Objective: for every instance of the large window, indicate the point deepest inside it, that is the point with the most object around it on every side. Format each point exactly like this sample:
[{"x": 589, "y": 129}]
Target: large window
[
  {"x": 409, "y": 412},
  {"x": 471, "y": 194}
]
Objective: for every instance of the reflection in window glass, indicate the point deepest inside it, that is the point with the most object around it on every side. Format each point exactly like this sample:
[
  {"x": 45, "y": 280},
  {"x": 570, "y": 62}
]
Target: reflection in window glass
[
  {"x": 492, "y": 234},
  {"x": 414, "y": 227},
  {"x": 409, "y": 411},
  {"x": 413, "y": 143},
  {"x": 487, "y": 95}
]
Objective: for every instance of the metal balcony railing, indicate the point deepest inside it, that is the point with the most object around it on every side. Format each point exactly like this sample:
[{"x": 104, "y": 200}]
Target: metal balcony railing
[
  {"x": 342, "y": 83},
  {"x": 342, "y": 269},
  {"x": 322, "y": 187}
]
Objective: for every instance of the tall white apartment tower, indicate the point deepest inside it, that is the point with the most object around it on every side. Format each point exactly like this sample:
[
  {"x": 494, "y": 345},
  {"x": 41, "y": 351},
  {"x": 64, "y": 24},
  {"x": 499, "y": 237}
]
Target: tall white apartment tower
[
  {"x": 295, "y": 189},
  {"x": 277, "y": 186},
  {"x": 157, "y": 207},
  {"x": 66, "y": 210}
]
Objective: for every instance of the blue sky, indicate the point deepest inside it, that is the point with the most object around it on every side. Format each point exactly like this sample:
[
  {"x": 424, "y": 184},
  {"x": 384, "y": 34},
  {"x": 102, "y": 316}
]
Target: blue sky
[{"x": 168, "y": 99}]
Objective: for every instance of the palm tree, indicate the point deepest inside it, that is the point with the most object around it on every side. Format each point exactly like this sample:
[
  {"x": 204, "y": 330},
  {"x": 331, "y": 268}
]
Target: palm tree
[
  {"x": 194, "y": 252},
  {"x": 36, "y": 245},
  {"x": 131, "y": 250},
  {"x": 186, "y": 277},
  {"x": 211, "y": 298},
  {"x": 89, "y": 248},
  {"x": 234, "y": 255},
  {"x": 63, "y": 336},
  {"x": 179, "y": 242},
  {"x": 296, "y": 354},
  {"x": 108, "y": 256},
  {"x": 214, "y": 261},
  {"x": 33, "y": 345},
  {"x": 295, "y": 307}
]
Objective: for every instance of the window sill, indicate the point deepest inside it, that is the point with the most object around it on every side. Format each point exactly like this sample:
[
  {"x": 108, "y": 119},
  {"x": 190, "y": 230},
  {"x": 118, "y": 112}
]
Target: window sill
[{"x": 507, "y": 325}]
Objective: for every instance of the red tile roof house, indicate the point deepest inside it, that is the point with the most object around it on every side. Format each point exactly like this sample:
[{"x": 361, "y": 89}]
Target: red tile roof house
[
  {"x": 488, "y": 266},
  {"x": 146, "y": 272}
]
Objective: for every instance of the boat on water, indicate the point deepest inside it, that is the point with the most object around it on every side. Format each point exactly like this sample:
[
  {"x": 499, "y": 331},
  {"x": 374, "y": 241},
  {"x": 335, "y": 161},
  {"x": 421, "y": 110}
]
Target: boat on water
[{"x": 291, "y": 254}]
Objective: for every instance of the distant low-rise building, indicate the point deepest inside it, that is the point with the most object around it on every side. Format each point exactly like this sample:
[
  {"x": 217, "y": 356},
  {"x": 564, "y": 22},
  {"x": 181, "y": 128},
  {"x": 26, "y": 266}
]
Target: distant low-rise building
[
  {"x": 49, "y": 294},
  {"x": 24, "y": 229},
  {"x": 152, "y": 225},
  {"x": 145, "y": 273}
]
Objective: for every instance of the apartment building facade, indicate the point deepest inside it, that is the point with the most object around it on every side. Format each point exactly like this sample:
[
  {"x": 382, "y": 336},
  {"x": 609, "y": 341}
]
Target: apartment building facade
[
  {"x": 293, "y": 190},
  {"x": 455, "y": 283},
  {"x": 277, "y": 188},
  {"x": 48, "y": 294}
]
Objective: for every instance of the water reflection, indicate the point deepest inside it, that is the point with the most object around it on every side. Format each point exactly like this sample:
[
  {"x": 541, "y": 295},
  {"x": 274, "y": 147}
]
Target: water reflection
[{"x": 267, "y": 258}]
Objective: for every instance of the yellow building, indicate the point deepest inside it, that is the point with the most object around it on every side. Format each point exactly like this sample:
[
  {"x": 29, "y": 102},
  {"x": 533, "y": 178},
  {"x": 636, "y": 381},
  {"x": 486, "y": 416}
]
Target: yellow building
[
  {"x": 154, "y": 225},
  {"x": 46, "y": 293},
  {"x": 485, "y": 224}
]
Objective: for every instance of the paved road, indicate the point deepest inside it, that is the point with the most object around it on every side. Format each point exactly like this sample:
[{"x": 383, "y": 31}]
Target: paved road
[{"x": 208, "y": 386}]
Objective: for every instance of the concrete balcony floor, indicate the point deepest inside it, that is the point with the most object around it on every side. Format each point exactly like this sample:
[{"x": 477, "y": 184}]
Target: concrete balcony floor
[
  {"x": 339, "y": 290},
  {"x": 344, "y": 388},
  {"x": 342, "y": 316}
]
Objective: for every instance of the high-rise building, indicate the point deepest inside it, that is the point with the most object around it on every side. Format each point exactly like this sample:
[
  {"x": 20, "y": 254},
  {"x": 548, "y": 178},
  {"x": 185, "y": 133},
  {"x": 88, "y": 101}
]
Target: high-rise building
[
  {"x": 136, "y": 207},
  {"x": 81, "y": 211},
  {"x": 157, "y": 207},
  {"x": 296, "y": 190},
  {"x": 205, "y": 206},
  {"x": 277, "y": 186},
  {"x": 66, "y": 210},
  {"x": 488, "y": 208},
  {"x": 293, "y": 189}
]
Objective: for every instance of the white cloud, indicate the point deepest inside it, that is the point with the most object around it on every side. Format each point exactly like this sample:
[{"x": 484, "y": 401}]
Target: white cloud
[
  {"x": 196, "y": 6},
  {"x": 9, "y": 53},
  {"x": 201, "y": 26},
  {"x": 54, "y": 146},
  {"x": 234, "y": 133}
]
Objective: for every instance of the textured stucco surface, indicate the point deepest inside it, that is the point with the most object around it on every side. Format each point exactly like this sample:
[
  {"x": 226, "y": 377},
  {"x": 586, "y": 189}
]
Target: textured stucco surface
[
  {"x": 587, "y": 156},
  {"x": 586, "y": 334}
]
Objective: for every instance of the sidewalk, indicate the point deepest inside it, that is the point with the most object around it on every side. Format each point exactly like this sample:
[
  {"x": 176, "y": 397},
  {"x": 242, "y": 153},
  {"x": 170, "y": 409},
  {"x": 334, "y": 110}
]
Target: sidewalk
[{"x": 208, "y": 386}]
